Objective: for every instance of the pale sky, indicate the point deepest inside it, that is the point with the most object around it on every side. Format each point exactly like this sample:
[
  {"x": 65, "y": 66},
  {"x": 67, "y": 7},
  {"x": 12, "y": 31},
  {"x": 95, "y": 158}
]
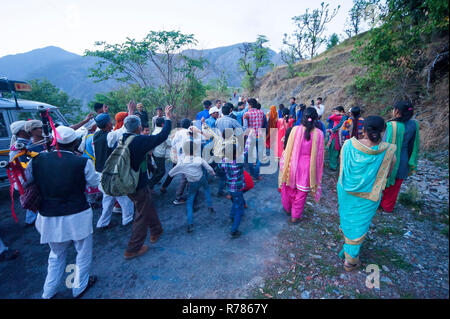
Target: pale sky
[{"x": 75, "y": 25}]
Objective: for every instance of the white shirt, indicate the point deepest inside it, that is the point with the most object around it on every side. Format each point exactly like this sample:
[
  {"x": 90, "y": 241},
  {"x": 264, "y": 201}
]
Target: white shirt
[
  {"x": 191, "y": 167},
  {"x": 320, "y": 108},
  {"x": 178, "y": 140},
  {"x": 160, "y": 150},
  {"x": 114, "y": 136},
  {"x": 71, "y": 227}
]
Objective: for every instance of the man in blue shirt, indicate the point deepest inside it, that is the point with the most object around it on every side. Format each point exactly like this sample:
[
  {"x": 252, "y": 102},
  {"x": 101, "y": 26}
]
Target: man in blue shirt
[
  {"x": 205, "y": 113},
  {"x": 213, "y": 116},
  {"x": 226, "y": 121},
  {"x": 292, "y": 108},
  {"x": 240, "y": 111}
]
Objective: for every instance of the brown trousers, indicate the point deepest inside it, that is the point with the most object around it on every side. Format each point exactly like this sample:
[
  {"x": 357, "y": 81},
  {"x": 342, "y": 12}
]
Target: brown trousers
[{"x": 145, "y": 217}]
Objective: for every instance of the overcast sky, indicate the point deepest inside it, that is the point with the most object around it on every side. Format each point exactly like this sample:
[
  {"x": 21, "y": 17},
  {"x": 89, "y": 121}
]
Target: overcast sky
[{"x": 75, "y": 25}]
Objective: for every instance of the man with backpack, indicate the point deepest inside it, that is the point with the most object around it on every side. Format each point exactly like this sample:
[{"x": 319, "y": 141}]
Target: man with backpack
[
  {"x": 146, "y": 216},
  {"x": 101, "y": 153}
]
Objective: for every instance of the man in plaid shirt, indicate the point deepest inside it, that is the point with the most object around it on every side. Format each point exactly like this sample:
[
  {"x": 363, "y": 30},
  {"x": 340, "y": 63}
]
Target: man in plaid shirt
[
  {"x": 234, "y": 184},
  {"x": 253, "y": 120}
]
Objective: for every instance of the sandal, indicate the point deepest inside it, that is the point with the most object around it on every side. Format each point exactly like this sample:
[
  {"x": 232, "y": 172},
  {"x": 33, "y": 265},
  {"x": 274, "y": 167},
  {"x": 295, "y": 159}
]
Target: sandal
[
  {"x": 350, "y": 267},
  {"x": 92, "y": 280}
]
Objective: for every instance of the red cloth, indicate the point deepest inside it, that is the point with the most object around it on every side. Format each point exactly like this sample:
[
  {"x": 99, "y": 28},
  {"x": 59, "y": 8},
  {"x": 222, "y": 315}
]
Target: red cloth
[
  {"x": 390, "y": 195},
  {"x": 248, "y": 180},
  {"x": 336, "y": 119}
]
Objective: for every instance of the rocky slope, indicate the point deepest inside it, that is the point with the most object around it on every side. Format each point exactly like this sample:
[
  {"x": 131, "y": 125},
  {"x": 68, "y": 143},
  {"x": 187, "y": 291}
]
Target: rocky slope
[{"x": 331, "y": 74}]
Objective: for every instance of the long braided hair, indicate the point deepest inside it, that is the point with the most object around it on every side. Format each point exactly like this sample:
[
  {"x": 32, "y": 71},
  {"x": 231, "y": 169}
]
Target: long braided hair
[{"x": 309, "y": 119}]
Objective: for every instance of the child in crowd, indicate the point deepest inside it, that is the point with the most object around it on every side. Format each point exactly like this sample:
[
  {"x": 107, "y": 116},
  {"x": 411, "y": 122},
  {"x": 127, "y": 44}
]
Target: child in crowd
[
  {"x": 195, "y": 169},
  {"x": 234, "y": 184}
]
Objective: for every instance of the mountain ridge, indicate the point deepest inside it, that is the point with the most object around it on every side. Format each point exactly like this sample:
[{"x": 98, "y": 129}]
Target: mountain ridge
[{"x": 69, "y": 71}]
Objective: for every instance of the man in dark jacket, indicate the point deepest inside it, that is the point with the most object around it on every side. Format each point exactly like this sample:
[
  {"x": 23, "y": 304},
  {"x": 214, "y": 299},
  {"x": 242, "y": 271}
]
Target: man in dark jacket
[
  {"x": 143, "y": 115},
  {"x": 145, "y": 216},
  {"x": 65, "y": 216}
]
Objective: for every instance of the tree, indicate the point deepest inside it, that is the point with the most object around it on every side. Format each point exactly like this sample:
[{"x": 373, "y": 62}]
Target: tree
[
  {"x": 392, "y": 53},
  {"x": 332, "y": 41},
  {"x": 194, "y": 90},
  {"x": 157, "y": 61},
  {"x": 294, "y": 48},
  {"x": 219, "y": 88},
  {"x": 314, "y": 24},
  {"x": 254, "y": 57},
  {"x": 118, "y": 99},
  {"x": 44, "y": 91},
  {"x": 125, "y": 62},
  {"x": 355, "y": 17}
]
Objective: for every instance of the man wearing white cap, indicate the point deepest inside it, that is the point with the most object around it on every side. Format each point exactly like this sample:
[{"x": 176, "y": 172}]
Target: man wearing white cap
[
  {"x": 213, "y": 116},
  {"x": 20, "y": 135},
  {"x": 64, "y": 213},
  {"x": 35, "y": 144}
]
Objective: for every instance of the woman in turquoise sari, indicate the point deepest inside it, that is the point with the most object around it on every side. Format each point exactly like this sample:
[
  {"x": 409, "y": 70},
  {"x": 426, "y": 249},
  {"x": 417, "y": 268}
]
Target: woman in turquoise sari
[{"x": 365, "y": 166}]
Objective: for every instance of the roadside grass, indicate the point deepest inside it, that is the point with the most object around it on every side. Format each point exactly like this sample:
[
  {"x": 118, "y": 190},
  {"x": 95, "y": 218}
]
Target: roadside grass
[
  {"x": 389, "y": 231},
  {"x": 386, "y": 256},
  {"x": 411, "y": 198}
]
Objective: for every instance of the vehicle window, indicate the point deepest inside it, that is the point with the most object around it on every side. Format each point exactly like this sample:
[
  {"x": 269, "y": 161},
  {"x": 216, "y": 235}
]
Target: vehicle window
[
  {"x": 33, "y": 115},
  {"x": 28, "y": 115},
  {"x": 3, "y": 129}
]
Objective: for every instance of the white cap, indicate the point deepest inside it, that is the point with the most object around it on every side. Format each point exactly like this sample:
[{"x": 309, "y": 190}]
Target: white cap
[
  {"x": 214, "y": 109},
  {"x": 67, "y": 135},
  {"x": 17, "y": 126}
]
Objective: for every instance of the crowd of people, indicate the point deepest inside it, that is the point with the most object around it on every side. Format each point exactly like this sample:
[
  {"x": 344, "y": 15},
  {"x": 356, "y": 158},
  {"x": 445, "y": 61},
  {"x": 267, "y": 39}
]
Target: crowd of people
[{"x": 223, "y": 140}]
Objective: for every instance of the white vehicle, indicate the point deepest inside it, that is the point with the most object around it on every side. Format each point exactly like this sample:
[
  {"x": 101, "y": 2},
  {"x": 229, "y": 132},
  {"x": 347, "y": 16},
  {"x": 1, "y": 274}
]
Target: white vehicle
[{"x": 13, "y": 109}]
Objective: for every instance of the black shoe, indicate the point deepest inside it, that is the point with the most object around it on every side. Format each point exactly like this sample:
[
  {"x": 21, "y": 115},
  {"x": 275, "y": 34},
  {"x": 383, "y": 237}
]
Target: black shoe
[
  {"x": 9, "y": 255},
  {"x": 27, "y": 225},
  {"x": 236, "y": 234},
  {"x": 92, "y": 280},
  {"x": 109, "y": 226},
  {"x": 190, "y": 228},
  {"x": 211, "y": 210}
]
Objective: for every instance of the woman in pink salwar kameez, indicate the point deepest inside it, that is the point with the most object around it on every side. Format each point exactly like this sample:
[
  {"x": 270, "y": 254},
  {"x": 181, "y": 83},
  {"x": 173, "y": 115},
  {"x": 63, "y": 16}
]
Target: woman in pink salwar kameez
[
  {"x": 282, "y": 125},
  {"x": 302, "y": 165}
]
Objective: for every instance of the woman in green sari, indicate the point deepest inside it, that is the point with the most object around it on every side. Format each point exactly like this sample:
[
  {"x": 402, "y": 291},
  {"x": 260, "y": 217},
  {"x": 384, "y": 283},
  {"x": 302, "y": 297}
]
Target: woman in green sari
[
  {"x": 365, "y": 166},
  {"x": 403, "y": 132}
]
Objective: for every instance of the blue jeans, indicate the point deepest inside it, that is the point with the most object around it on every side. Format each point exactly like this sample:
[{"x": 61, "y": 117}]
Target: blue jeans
[
  {"x": 222, "y": 179},
  {"x": 194, "y": 187},
  {"x": 237, "y": 209},
  {"x": 254, "y": 167}
]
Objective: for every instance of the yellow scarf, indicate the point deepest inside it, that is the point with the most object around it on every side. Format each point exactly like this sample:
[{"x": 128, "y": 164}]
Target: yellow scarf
[{"x": 284, "y": 176}]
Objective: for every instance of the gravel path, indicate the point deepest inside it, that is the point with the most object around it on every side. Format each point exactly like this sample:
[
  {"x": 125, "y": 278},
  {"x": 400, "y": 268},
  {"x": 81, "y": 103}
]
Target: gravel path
[{"x": 271, "y": 260}]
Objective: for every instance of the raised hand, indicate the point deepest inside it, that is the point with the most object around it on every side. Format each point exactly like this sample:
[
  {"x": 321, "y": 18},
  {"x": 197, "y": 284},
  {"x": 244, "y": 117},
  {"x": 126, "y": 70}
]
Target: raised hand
[
  {"x": 131, "y": 107},
  {"x": 89, "y": 116},
  {"x": 168, "y": 111}
]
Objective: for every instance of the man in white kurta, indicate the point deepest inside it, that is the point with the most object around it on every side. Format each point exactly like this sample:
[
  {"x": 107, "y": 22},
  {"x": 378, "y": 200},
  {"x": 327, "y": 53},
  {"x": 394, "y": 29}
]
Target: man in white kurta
[
  {"x": 60, "y": 231},
  {"x": 108, "y": 201}
]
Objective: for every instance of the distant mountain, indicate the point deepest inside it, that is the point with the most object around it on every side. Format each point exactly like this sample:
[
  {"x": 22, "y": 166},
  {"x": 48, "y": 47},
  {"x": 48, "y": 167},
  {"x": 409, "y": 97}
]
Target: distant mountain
[
  {"x": 69, "y": 71},
  {"x": 226, "y": 59}
]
